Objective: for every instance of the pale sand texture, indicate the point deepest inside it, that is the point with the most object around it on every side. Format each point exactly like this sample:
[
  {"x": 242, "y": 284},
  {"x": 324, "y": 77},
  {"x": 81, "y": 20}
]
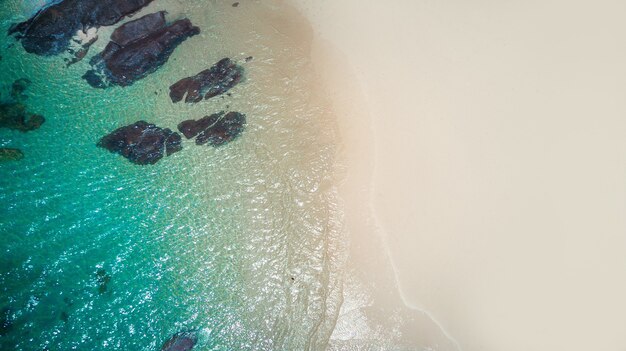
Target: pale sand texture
[{"x": 499, "y": 171}]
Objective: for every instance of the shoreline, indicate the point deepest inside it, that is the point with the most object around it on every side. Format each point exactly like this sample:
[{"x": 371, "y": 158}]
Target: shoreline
[
  {"x": 497, "y": 180},
  {"x": 369, "y": 253}
]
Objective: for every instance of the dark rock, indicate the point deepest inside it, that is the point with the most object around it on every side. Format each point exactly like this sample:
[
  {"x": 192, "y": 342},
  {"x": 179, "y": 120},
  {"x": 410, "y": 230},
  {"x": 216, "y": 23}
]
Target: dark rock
[
  {"x": 94, "y": 79},
  {"x": 216, "y": 80},
  {"x": 138, "y": 29},
  {"x": 147, "y": 44},
  {"x": 64, "y": 316},
  {"x": 183, "y": 341},
  {"x": 50, "y": 30},
  {"x": 142, "y": 143},
  {"x": 14, "y": 116},
  {"x": 235, "y": 4},
  {"x": 191, "y": 128},
  {"x": 249, "y": 58},
  {"x": 8, "y": 154},
  {"x": 216, "y": 129}
]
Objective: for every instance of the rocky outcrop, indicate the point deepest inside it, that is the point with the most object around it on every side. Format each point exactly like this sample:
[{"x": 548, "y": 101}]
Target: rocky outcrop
[
  {"x": 9, "y": 154},
  {"x": 137, "y": 49},
  {"x": 51, "y": 29},
  {"x": 142, "y": 143},
  {"x": 183, "y": 341},
  {"x": 216, "y": 129},
  {"x": 214, "y": 81}
]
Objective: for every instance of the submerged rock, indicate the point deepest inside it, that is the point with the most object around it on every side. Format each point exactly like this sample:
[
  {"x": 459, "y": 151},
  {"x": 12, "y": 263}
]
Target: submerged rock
[
  {"x": 103, "y": 279},
  {"x": 51, "y": 29},
  {"x": 216, "y": 80},
  {"x": 137, "y": 49},
  {"x": 13, "y": 115},
  {"x": 18, "y": 87},
  {"x": 142, "y": 143},
  {"x": 6, "y": 321},
  {"x": 216, "y": 129},
  {"x": 9, "y": 154},
  {"x": 183, "y": 341}
]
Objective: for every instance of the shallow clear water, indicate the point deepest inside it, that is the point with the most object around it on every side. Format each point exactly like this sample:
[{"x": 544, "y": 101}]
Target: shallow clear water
[{"x": 239, "y": 242}]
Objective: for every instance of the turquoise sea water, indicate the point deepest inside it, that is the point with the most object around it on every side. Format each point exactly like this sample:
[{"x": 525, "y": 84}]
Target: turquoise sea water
[{"x": 240, "y": 243}]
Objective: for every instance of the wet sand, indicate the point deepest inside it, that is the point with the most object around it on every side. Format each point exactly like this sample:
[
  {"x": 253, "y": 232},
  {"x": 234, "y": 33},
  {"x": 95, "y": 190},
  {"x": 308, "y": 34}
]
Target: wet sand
[{"x": 484, "y": 148}]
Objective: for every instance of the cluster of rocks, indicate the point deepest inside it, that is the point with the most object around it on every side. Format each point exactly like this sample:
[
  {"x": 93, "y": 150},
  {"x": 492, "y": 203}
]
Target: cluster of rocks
[
  {"x": 51, "y": 29},
  {"x": 138, "y": 48},
  {"x": 144, "y": 143}
]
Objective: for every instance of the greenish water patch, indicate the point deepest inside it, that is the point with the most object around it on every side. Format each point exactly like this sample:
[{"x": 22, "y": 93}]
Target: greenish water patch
[{"x": 237, "y": 242}]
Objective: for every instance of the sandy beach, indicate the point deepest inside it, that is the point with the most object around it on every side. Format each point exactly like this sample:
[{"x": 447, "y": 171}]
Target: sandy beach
[{"x": 484, "y": 166}]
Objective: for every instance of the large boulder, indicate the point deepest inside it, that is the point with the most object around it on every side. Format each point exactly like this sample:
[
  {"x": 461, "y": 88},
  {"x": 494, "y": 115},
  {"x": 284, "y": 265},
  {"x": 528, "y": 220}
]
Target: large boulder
[
  {"x": 142, "y": 143},
  {"x": 137, "y": 49},
  {"x": 216, "y": 129},
  {"x": 183, "y": 341},
  {"x": 213, "y": 81},
  {"x": 51, "y": 29},
  {"x": 9, "y": 154}
]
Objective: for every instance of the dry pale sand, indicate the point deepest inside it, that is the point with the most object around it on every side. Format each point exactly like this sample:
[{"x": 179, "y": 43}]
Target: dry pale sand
[{"x": 486, "y": 145}]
